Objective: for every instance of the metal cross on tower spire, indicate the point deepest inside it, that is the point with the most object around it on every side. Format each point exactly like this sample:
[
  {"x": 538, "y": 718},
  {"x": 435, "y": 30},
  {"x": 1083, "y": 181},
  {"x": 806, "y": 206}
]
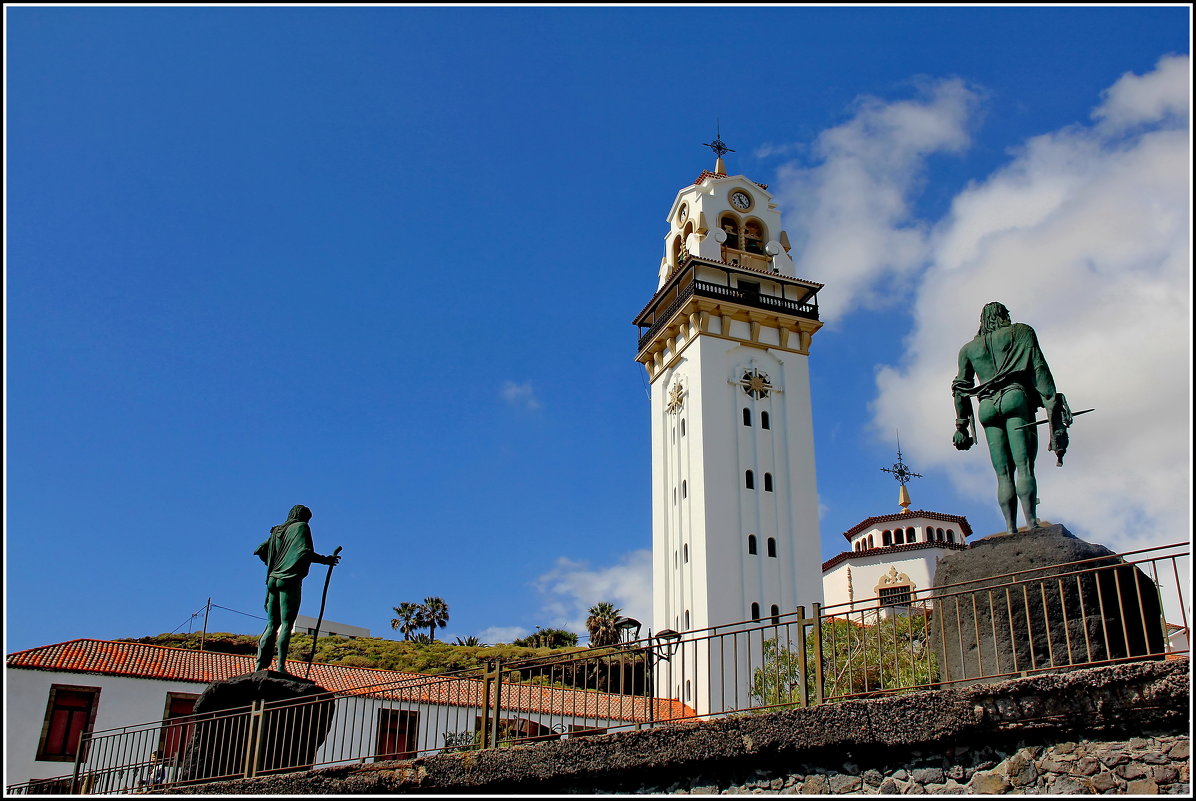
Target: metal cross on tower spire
[
  {"x": 903, "y": 474},
  {"x": 718, "y": 145}
]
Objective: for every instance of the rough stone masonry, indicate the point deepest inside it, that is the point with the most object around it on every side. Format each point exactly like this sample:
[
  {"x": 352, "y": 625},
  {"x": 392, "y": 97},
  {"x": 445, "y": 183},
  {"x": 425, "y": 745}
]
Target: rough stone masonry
[{"x": 1114, "y": 729}]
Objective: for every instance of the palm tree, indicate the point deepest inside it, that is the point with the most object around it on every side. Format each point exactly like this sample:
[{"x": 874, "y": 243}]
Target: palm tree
[
  {"x": 434, "y": 614},
  {"x": 471, "y": 640},
  {"x": 601, "y": 624},
  {"x": 408, "y": 618}
]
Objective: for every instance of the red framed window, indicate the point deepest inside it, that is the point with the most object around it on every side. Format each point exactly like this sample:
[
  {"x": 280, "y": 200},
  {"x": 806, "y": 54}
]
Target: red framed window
[
  {"x": 70, "y": 711},
  {"x": 175, "y": 735},
  {"x": 396, "y": 734}
]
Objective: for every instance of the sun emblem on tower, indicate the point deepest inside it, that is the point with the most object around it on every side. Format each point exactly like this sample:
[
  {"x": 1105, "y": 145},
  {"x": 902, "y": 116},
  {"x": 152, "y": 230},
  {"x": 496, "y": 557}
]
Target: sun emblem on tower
[
  {"x": 755, "y": 383},
  {"x": 676, "y": 398}
]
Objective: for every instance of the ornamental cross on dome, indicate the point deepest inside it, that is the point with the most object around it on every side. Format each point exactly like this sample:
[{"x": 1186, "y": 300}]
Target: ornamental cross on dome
[
  {"x": 755, "y": 383},
  {"x": 901, "y": 471},
  {"x": 676, "y": 398}
]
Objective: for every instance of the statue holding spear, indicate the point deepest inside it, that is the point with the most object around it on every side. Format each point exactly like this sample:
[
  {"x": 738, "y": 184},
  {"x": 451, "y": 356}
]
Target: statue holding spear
[{"x": 288, "y": 555}]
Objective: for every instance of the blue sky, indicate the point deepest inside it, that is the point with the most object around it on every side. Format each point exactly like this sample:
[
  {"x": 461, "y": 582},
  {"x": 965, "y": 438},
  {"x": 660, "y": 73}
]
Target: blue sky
[{"x": 384, "y": 262}]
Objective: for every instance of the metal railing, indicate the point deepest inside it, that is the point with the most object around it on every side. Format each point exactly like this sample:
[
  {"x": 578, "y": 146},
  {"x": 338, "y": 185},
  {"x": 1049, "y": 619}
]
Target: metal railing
[{"x": 1060, "y": 617}]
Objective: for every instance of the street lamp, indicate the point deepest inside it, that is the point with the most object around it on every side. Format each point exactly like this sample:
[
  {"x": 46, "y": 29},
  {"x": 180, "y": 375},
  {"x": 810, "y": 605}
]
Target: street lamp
[
  {"x": 625, "y": 626},
  {"x": 666, "y": 642}
]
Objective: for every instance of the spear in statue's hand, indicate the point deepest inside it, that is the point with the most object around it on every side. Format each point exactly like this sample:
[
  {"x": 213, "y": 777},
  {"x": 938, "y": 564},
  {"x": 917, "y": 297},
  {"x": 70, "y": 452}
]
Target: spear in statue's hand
[{"x": 323, "y": 598}]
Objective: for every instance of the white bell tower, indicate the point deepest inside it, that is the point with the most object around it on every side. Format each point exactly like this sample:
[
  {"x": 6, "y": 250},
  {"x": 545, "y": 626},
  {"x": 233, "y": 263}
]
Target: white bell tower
[{"x": 726, "y": 341}]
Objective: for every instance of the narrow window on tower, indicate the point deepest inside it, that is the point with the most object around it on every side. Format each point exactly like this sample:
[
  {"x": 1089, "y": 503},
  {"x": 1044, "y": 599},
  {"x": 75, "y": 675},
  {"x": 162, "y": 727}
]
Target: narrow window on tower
[
  {"x": 751, "y": 543},
  {"x": 772, "y": 546},
  {"x": 950, "y": 535},
  {"x": 684, "y": 490},
  {"x": 685, "y": 552},
  {"x": 749, "y": 480},
  {"x": 747, "y": 417},
  {"x": 764, "y": 420},
  {"x": 755, "y": 611},
  {"x": 886, "y": 538},
  {"x": 911, "y": 535},
  {"x": 768, "y": 482},
  {"x": 687, "y": 620},
  {"x": 898, "y": 537},
  {"x": 683, "y": 428},
  {"x": 776, "y": 615},
  {"x": 730, "y": 227}
]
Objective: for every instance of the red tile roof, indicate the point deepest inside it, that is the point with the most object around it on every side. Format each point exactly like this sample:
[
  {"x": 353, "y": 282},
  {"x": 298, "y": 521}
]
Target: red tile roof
[
  {"x": 888, "y": 549},
  {"x": 708, "y": 174},
  {"x": 863, "y": 525},
  {"x": 140, "y": 660}
]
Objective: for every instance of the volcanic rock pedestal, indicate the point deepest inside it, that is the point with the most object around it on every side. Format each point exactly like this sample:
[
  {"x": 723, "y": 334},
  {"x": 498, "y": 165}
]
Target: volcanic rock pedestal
[
  {"x": 988, "y": 622},
  {"x": 248, "y": 720}
]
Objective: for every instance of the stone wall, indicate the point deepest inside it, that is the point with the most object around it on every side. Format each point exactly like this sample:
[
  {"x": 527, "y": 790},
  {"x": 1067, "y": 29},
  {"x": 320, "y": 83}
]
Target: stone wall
[
  {"x": 1138, "y": 766},
  {"x": 1116, "y": 729}
]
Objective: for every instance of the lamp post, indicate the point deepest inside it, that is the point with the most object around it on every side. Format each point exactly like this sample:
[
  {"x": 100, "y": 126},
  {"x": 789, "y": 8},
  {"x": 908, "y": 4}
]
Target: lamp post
[
  {"x": 625, "y": 625},
  {"x": 662, "y": 647}
]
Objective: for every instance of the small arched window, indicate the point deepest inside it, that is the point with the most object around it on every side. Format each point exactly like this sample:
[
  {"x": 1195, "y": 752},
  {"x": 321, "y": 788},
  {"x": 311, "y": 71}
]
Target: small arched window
[
  {"x": 950, "y": 535},
  {"x": 685, "y": 552},
  {"x": 929, "y": 534},
  {"x": 911, "y": 534},
  {"x": 676, "y": 250},
  {"x": 753, "y": 237},
  {"x": 749, "y": 480},
  {"x": 764, "y": 420},
  {"x": 751, "y": 543},
  {"x": 772, "y": 546},
  {"x": 939, "y": 534},
  {"x": 687, "y": 620},
  {"x": 684, "y": 490},
  {"x": 871, "y": 543},
  {"x": 886, "y": 537},
  {"x": 768, "y": 482},
  {"x": 755, "y": 611},
  {"x": 747, "y": 417},
  {"x": 776, "y": 615},
  {"x": 898, "y": 537},
  {"x": 730, "y": 227}
]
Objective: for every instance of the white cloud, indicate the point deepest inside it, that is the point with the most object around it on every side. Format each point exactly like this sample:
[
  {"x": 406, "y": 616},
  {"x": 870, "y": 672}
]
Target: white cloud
[
  {"x": 570, "y": 588},
  {"x": 507, "y": 634},
  {"x": 1137, "y": 99},
  {"x": 1085, "y": 235},
  {"x": 520, "y": 395},
  {"x": 849, "y": 217}
]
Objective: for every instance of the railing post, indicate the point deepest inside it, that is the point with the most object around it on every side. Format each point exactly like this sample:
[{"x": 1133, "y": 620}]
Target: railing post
[
  {"x": 496, "y": 719},
  {"x": 487, "y": 683},
  {"x": 75, "y": 789},
  {"x": 816, "y": 612},
  {"x": 253, "y": 738},
  {"x": 801, "y": 657}
]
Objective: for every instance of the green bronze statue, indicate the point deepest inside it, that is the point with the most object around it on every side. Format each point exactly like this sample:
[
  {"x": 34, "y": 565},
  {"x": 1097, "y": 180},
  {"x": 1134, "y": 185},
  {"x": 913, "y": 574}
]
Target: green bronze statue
[
  {"x": 288, "y": 554},
  {"x": 1013, "y": 381}
]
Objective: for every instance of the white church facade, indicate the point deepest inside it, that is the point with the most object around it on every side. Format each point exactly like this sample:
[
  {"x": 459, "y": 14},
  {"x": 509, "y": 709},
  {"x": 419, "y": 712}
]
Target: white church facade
[{"x": 890, "y": 562}]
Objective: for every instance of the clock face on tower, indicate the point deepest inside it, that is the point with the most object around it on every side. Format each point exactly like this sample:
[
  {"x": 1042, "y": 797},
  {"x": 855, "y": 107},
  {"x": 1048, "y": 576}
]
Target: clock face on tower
[
  {"x": 741, "y": 201},
  {"x": 681, "y": 215}
]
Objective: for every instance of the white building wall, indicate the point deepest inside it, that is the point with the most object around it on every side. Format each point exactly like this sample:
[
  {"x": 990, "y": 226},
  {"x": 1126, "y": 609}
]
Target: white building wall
[{"x": 123, "y": 701}]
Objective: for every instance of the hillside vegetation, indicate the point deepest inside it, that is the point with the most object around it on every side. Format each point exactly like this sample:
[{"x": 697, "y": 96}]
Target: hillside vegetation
[{"x": 371, "y": 652}]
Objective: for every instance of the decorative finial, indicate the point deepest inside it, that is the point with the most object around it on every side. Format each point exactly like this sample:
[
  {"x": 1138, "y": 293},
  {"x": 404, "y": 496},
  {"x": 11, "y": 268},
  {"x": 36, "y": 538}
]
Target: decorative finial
[
  {"x": 720, "y": 149},
  {"x": 903, "y": 474}
]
